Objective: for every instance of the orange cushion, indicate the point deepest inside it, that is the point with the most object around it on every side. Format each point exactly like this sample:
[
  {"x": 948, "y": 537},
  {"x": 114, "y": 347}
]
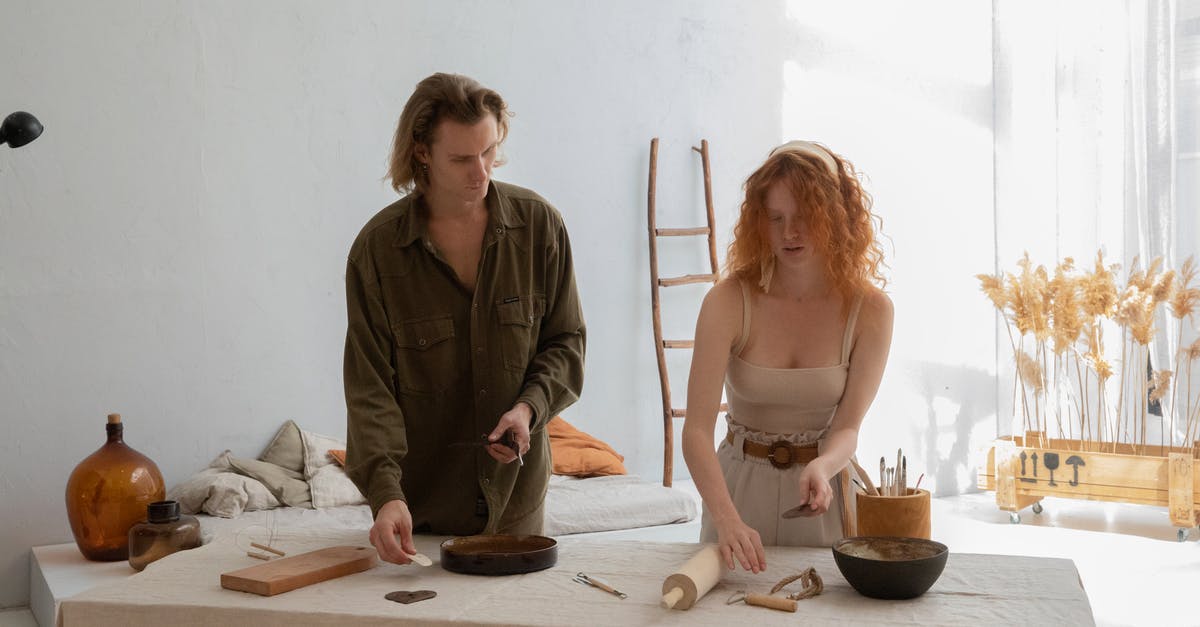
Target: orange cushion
[
  {"x": 578, "y": 454},
  {"x": 338, "y": 456}
]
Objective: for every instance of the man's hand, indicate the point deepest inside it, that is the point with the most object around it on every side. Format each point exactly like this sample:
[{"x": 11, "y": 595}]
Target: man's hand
[
  {"x": 391, "y": 535},
  {"x": 515, "y": 422}
]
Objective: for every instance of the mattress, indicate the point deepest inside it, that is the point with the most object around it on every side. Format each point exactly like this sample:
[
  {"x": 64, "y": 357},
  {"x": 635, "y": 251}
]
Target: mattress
[{"x": 573, "y": 505}]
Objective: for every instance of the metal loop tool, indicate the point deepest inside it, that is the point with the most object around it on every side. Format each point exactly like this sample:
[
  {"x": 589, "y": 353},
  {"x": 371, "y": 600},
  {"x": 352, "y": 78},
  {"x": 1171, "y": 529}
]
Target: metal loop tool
[{"x": 596, "y": 583}]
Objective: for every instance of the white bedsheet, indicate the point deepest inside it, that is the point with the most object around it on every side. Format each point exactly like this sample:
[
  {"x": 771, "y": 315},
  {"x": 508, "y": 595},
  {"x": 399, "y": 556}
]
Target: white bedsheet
[{"x": 572, "y": 506}]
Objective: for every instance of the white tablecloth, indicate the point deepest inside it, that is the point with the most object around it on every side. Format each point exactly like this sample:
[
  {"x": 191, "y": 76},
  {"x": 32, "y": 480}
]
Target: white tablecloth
[{"x": 184, "y": 589}]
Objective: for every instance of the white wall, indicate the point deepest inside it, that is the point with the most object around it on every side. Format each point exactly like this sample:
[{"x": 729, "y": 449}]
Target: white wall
[{"x": 173, "y": 247}]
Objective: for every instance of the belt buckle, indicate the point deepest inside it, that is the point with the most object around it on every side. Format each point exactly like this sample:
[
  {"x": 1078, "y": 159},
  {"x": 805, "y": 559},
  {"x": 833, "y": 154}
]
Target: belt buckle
[{"x": 780, "y": 454}]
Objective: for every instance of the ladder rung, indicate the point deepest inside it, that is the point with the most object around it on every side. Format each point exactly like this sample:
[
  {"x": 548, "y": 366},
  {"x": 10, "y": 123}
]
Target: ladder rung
[
  {"x": 698, "y": 230},
  {"x": 689, "y": 278},
  {"x": 678, "y": 343},
  {"x": 680, "y": 413}
]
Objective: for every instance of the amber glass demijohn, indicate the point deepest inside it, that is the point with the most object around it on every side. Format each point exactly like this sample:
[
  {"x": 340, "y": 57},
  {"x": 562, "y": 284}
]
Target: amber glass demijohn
[{"x": 107, "y": 494}]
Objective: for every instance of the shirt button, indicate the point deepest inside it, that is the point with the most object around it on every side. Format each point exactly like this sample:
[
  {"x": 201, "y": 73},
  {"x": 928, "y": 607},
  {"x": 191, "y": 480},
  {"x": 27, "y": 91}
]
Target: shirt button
[
  {"x": 499, "y": 230},
  {"x": 483, "y": 391},
  {"x": 478, "y": 350},
  {"x": 486, "y": 481},
  {"x": 421, "y": 342}
]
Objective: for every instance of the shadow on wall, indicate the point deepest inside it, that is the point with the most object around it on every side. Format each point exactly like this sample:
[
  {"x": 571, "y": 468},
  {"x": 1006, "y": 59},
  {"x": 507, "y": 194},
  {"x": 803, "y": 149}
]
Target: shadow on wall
[{"x": 958, "y": 399}]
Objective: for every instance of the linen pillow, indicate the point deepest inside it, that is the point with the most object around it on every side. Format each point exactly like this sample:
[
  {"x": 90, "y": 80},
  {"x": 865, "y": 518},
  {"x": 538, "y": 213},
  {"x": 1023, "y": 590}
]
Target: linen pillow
[
  {"x": 285, "y": 484},
  {"x": 219, "y": 491},
  {"x": 316, "y": 451},
  {"x": 286, "y": 448},
  {"x": 331, "y": 487},
  {"x": 578, "y": 454},
  {"x": 327, "y": 482}
]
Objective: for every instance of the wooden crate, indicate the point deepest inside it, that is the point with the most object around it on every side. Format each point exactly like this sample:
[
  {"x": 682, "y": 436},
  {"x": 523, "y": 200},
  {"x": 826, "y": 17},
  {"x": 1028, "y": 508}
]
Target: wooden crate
[{"x": 1024, "y": 470}]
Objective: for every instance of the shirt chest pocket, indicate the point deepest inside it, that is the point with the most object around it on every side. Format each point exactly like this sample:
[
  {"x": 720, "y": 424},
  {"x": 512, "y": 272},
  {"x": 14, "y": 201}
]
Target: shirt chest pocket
[
  {"x": 425, "y": 354},
  {"x": 520, "y": 320}
]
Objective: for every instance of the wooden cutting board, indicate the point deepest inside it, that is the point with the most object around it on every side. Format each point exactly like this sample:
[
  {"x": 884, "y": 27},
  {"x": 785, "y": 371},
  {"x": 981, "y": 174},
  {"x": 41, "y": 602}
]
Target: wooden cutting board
[{"x": 301, "y": 570}]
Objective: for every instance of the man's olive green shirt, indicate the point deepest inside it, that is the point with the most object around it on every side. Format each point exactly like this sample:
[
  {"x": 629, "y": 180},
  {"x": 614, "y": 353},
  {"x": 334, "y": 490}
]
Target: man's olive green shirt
[{"x": 429, "y": 363}]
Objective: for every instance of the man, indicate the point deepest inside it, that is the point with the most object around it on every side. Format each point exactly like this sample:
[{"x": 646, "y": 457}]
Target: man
[{"x": 464, "y": 321}]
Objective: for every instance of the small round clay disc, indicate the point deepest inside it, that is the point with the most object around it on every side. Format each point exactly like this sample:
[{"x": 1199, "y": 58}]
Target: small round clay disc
[
  {"x": 420, "y": 559},
  {"x": 409, "y": 596}
]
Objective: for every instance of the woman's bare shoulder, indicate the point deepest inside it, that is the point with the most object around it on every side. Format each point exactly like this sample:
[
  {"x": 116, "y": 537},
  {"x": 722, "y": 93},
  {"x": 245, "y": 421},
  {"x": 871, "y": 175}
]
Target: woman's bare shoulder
[
  {"x": 877, "y": 308},
  {"x": 726, "y": 295}
]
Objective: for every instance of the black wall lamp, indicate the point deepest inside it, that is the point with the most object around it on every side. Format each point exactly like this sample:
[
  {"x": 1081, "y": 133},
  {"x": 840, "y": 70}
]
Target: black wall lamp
[{"x": 19, "y": 129}]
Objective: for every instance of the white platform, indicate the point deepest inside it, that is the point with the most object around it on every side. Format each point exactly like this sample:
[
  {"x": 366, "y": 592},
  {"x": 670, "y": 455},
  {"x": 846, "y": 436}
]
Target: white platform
[{"x": 59, "y": 571}]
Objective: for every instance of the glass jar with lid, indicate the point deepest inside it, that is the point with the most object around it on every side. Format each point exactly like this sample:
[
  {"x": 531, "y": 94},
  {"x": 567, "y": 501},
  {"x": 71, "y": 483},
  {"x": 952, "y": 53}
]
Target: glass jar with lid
[{"x": 163, "y": 532}]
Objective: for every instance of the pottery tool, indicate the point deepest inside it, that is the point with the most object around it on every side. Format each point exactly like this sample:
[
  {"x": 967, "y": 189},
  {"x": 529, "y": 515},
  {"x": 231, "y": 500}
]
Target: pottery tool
[
  {"x": 420, "y": 560},
  {"x": 918, "y": 486},
  {"x": 860, "y": 485},
  {"x": 507, "y": 440},
  {"x": 763, "y": 600},
  {"x": 269, "y": 549},
  {"x": 301, "y": 570},
  {"x": 596, "y": 583},
  {"x": 693, "y": 580},
  {"x": 883, "y": 486},
  {"x": 898, "y": 488},
  {"x": 866, "y": 478}
]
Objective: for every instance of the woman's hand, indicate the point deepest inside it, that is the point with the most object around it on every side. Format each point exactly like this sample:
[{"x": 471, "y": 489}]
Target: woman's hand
[
  {"x": 815, "y": 492},
  {"x": 741, "y": 542}
]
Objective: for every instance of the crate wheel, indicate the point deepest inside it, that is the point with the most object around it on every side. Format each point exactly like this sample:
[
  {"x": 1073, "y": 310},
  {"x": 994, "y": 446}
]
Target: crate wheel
[
  {"x": 1037, "y": 508},
  {"x": 1014, "y": 518},
  {"x": 1182, "y": 534}
]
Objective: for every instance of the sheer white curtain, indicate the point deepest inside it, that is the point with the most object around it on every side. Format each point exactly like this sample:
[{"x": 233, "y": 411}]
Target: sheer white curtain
[{"x": 1088, "y": 155}]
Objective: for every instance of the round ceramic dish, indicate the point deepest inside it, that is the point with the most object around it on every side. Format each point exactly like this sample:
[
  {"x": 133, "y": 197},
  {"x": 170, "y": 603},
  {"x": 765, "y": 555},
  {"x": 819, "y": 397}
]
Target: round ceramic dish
[
  {"x": 498, "y": 554},
  {"x": 890, "y": 568}
]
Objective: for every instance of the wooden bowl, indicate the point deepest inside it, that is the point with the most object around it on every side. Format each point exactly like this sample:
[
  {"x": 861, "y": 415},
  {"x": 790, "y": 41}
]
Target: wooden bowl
[
  {"x": 890, "y": 568},
  {"x": 498, "y": 554}
]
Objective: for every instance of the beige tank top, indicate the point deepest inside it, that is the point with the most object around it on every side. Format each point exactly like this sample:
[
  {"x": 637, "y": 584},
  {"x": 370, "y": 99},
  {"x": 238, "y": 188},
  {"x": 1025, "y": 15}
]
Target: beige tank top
[{"x": 796, "y": 401}]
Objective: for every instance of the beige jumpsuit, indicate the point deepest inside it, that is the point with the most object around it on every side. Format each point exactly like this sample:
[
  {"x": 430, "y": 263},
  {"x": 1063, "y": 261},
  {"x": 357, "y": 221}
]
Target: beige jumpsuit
[{"x": 767, "y": 405}]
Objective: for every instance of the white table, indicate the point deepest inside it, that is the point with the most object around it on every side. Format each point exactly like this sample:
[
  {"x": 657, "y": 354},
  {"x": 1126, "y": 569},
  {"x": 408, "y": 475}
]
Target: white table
[{"x": 184, "y": 589}]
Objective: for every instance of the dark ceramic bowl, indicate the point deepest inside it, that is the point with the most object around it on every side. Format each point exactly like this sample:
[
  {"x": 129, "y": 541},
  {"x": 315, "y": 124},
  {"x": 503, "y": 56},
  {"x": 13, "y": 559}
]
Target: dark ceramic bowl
[
  {"x": 890, "y": 568},
  {"x": 498, "y": 554}
]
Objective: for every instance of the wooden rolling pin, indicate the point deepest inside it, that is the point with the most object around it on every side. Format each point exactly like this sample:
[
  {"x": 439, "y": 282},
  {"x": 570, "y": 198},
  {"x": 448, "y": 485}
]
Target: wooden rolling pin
[{"x": 693, "y": 580}]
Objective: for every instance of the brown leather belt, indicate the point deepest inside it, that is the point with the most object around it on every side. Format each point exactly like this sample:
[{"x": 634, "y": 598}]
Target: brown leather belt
[{"x": 781, "y": 453}]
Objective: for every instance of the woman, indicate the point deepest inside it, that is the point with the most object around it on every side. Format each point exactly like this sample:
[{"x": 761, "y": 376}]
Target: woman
[{"x": 798, "y": 331}]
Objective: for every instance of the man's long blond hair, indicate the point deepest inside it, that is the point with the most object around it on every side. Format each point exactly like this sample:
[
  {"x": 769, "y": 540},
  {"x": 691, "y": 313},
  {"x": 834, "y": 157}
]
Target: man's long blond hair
[{"x": 439, "y": 97}]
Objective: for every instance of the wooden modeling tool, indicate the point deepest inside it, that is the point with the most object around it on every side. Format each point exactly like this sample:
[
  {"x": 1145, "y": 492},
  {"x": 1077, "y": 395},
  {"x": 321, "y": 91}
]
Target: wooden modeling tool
[
  {"x": 866, "y": 478},
  {"x": 782, "y": 604},
  {"x": 693, "y": 580},
  {"x": 289, "y": 573},
  {"x": 269, "y": 549}
]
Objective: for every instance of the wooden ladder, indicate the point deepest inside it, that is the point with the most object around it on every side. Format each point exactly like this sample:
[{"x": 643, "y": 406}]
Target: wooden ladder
[{"x": 670, "y": 412}]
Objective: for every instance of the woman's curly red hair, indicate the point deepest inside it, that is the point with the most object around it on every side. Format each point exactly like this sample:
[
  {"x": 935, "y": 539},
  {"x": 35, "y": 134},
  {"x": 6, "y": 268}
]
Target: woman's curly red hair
[{"x": 838, "y": 212}]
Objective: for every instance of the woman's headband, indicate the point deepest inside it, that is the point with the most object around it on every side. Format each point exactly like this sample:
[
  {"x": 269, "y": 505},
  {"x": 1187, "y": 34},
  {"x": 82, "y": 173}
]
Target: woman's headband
[{"x": 812, "y": 149}]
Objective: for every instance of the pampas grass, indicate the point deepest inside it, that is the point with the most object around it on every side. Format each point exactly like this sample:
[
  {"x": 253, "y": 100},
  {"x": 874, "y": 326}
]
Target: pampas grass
[{"x": 1056, "y": 330}]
